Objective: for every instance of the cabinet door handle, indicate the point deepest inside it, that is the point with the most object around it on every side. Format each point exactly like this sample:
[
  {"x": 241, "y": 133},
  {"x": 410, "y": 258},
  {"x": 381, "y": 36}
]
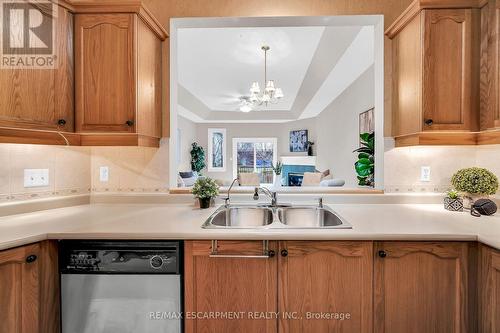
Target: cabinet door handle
[
  {"x": 382, "y": 254},
  {"x": 129, "y": 123},
  {"x": 428, "y": 122},
  {"x": 61, "y": 122},
  {"x": 284, "y": 253},
  {"x": 31, "y": 258}
]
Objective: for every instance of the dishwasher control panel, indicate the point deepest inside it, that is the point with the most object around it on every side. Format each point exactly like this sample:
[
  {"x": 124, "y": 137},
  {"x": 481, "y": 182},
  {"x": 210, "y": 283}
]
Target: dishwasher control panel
[{"x": 151, "y": 257}]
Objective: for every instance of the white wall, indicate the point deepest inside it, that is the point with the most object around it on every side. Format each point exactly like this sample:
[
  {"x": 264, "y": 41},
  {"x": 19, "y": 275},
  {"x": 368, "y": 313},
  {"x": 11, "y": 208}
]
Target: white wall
[
  {"x": 337, "y": 129},
  {"x": 188, "y": 135},
  {"x": 281, "y": 131}
]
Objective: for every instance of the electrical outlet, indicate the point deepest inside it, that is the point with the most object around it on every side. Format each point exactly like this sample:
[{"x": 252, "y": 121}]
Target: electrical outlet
[
  {"x": 425, "y": 174},
  {"x": 104, "y": 174},
  {"x": 36, "y": 177}
]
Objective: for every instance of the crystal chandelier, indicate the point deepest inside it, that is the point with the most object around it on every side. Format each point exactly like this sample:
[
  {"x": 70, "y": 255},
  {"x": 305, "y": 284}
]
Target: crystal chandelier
[{"x": 270, "y": 95}]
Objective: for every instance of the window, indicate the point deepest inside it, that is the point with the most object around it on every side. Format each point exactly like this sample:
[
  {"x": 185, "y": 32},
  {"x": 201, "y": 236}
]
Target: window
[
  {"x": 216, "y": 149},
  {"x": 255, "y": 155}
]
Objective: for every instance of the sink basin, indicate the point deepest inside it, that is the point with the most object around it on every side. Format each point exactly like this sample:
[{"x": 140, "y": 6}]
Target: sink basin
[
  {"x": 298, "y": 217},
  {"x": 311, "y": 217},
  {"x": 240, "y": 217}
]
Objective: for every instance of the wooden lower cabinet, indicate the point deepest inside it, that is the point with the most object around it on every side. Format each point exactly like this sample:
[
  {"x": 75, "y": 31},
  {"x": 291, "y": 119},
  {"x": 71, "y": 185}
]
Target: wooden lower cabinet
[
  {"x": 489, "y": 290},
  {"x": 315, "y": 279},
  {"x": 422, "y": 287},
  {"x": 229, "y": 287},
  {"x": 325, "y": 286},
  {"x": 29, "y": 289}
]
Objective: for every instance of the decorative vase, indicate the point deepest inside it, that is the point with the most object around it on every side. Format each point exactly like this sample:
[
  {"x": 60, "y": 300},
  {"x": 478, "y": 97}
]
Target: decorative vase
[
  {"x": 310, "y": 150},
  {"x": 454, "y": 205},
  {"x": 277, "y": 181},
  {"x": 469, "y": 199},
  {"x": 204, "y": 202}
]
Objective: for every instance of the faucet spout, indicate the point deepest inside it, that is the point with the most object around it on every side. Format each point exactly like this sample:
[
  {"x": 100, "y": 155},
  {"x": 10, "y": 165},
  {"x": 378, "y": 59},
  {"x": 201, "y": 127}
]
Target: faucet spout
[{"x": 272, "y": 195}]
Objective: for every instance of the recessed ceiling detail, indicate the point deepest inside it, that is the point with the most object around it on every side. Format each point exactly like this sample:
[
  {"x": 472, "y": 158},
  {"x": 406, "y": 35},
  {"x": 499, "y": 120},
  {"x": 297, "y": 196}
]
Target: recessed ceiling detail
[{"x": 312, "y": 65}]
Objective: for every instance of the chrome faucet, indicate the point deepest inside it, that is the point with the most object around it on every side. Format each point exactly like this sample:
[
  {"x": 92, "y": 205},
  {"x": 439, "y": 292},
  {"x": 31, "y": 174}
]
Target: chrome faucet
[
  {"x": 227, "y": 200},
  {"x": 272, "y": 195}
]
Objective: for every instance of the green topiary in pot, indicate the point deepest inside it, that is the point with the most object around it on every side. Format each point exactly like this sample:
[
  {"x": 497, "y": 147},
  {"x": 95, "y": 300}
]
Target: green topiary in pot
[
  {"x": 475, "y": 181},
  {"x": 205, "y": 189}
]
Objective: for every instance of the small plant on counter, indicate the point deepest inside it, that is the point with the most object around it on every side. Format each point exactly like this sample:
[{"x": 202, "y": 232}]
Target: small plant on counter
[
  {"x": 205, "y": 189},
  {"x": 474, "y": 183},
  {"x": 278, "y": 168},
  {"x": 365, "y": 165},
  {"x": 453, "y": 194},
  {"x": 453, "y": 201},
  {"x": 197, "y": 157}
]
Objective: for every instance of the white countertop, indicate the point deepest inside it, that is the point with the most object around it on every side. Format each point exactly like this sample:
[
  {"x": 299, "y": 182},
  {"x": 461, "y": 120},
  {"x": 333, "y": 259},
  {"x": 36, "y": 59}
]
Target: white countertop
[{"x": 183, "y": 221}]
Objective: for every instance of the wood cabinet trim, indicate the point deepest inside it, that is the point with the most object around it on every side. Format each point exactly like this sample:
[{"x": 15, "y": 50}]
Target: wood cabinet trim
[
  {"x": 136, "y": 7},
  {"x": 28, "y": 136},
  {"x": 418, "y": 5}
]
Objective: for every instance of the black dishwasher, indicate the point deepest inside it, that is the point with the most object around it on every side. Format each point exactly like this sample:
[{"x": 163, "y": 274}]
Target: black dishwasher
[{"x": 121, "y": 286}]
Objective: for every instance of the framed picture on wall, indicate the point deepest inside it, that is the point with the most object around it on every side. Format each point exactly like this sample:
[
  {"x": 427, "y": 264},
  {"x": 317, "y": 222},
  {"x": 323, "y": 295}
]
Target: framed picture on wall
[
  {"x": 216, "y": 149},
  {"x": 298, "y": 141},
  {"x": 367, "y": 121}
]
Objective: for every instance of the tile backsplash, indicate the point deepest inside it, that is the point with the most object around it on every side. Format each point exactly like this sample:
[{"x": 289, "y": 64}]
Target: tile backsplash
[
  {"x": 131, "y": 169},
  {"x": 69, "y": 170},
  {"x": 402, "y": 165},
  {"x": 75, "y": 170}
]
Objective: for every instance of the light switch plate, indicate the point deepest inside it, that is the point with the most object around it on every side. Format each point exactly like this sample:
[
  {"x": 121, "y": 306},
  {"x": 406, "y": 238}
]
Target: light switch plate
[
  {"x": 425, "y": 174},
  {"x": 36, "y": 177},
  {"x": 103, "y": 174}
]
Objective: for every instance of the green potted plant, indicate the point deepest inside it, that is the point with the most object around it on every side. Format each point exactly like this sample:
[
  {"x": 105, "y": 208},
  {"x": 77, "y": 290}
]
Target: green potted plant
[
  {"x": 278, "y": 168},
  {"x": 310, "y": 145},
  {"x": 205, "y": 189},
  {"x": 365, "y": 165},
  {"x": 475, "y": 183},
  {"x": 453, "y": 201},
  {"x": 197, "y": 157}
]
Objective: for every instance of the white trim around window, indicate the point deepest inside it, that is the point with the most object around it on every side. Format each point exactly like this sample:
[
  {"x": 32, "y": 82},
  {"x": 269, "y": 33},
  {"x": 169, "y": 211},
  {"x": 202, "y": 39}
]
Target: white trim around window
[
  {"x": 211, "y": 167},
  {"x": 274, "y": 141}
]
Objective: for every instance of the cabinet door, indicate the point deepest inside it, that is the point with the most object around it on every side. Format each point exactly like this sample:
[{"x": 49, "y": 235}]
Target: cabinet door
[
  {"x": 451, "y": 67},
  {"x": 29, "y": 293},
  {"x": 104, "y": 70},
  {"x": 230, "y": 294},
  {"x": 420, "y": 287},
  {"x": 489, "y": 291},
  {"x": 332, "y": 279},
  {"x": 39, "y": 98}
]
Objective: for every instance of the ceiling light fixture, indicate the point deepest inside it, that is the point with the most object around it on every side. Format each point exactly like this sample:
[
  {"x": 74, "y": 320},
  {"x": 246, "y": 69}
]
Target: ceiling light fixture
[{"x": 270, "y": 95}]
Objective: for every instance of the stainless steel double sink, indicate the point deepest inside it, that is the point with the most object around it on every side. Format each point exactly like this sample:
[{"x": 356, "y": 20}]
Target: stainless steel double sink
[{"x": 293, "y": 217}]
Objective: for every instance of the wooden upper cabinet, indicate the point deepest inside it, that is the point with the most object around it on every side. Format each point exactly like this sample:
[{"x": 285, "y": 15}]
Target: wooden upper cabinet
[
  {"x": 325, "y": 277},
  {"x": 238, "y": 286},
  {"x": 489, "y": 290},
  {"x": 450, "y": 75},
  {"x": 42, "y": 99},
  {"x": 29, "y": 292},
  {"x": 105, "y": 87},
  {"x": 422, "y": 287},
  {"x": 436, "y": 71},
  {"x": 118, "y": 68}
]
